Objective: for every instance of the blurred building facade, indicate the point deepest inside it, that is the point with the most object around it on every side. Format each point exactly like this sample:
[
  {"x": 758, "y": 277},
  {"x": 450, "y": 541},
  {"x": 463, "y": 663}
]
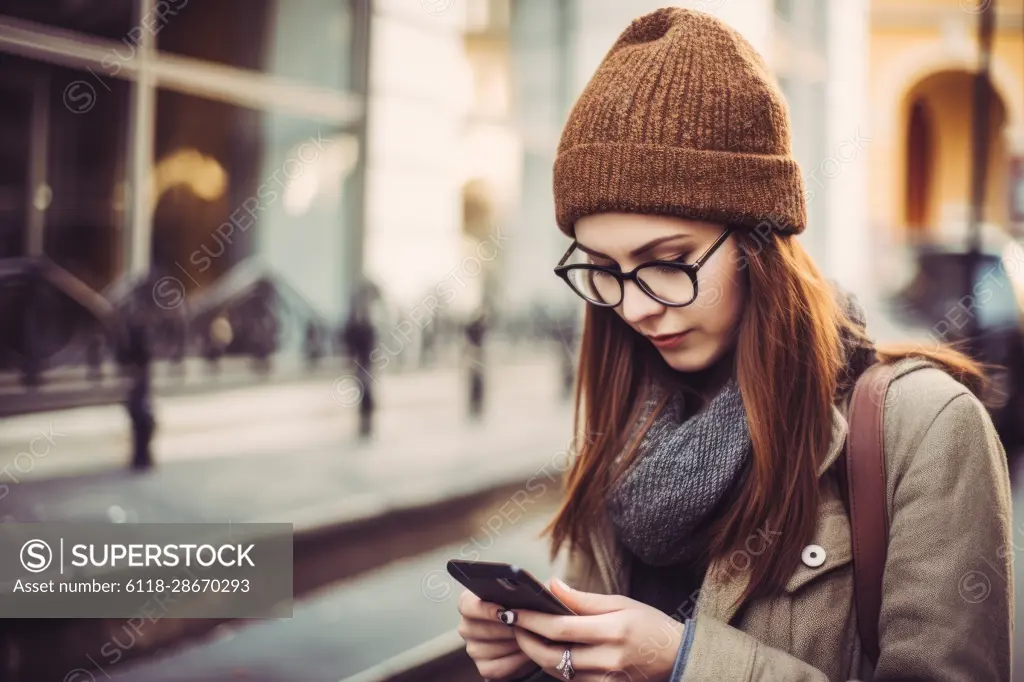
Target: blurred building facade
[
  {"x": 148, "y": 137},
  {"x": 924, "y": 54},
  {"x": 329, "y": 140}
]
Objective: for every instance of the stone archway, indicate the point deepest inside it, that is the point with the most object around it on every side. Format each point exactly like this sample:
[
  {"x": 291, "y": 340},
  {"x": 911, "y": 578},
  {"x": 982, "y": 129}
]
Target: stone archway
[{"x": 896, "y": 95}]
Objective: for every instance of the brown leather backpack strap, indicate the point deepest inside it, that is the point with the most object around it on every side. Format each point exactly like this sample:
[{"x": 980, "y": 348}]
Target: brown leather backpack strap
[{"x": 865, "y": 477}]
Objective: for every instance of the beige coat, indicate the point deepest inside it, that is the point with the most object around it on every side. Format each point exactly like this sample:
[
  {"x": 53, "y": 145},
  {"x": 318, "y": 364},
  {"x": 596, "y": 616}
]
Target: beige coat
[{"x": 947, "y": 609}]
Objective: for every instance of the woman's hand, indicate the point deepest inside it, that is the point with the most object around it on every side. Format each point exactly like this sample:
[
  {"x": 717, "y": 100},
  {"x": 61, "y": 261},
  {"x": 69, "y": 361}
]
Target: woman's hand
[
  {"x": 489, "y": 642},
  {"x": 611, "y": 634}
]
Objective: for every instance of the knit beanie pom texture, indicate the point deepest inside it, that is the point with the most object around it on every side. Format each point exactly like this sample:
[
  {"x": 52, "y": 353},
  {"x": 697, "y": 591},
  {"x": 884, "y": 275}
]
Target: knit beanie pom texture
[{"x": 682, "y": 118}]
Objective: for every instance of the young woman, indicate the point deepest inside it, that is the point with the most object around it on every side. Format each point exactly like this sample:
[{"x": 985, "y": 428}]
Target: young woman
[{"x": 706, "y": 535}]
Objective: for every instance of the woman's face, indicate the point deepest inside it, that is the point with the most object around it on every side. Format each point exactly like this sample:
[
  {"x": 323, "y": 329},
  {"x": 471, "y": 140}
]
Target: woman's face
[{"x": 700, "y": 333}]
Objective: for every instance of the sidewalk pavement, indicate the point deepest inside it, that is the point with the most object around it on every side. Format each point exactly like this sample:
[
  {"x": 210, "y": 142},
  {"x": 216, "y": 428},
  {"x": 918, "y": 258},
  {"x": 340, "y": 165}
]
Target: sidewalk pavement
[
  {"x": 256, "y": 415},
  {"x": 287, "y": 453}
]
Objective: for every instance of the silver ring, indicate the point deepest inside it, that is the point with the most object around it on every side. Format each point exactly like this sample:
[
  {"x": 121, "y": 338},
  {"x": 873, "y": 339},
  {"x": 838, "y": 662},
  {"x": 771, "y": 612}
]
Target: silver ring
[{"x": 568, "y": 672}]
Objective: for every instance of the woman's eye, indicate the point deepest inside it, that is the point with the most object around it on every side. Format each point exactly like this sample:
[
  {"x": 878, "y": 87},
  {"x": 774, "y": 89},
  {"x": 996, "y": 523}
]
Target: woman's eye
[{"x": 679, "y": 259}]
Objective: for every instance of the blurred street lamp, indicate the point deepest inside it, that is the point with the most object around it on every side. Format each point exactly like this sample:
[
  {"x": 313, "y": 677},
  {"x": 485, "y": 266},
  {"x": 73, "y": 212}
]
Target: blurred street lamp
[{"x": 981, "y": 105}]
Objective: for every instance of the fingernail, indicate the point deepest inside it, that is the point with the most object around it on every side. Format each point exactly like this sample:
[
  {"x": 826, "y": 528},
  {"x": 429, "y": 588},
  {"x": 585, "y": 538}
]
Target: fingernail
[
  {"x": 507, "y": 616},
  {"x": 562, "y": 584}
]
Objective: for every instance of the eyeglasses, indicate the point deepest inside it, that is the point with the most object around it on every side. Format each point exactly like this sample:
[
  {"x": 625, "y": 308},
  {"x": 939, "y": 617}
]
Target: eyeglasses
[{"x": 670, "y": 283}]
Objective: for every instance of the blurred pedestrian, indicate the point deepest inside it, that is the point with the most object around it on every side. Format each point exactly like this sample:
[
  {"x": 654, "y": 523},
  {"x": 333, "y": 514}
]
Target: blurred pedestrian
[
  {"x": 360, "y": 338},
  {"x": 716, "y": 370},
  {"x": 139, "y": 401},
  {"x": 313, "y": 344},
  {"x": 476, "y": 330}
]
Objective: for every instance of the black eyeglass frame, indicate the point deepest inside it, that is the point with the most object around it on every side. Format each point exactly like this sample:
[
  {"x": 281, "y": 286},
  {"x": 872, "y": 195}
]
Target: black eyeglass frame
[{"x": 562, "y": 270}]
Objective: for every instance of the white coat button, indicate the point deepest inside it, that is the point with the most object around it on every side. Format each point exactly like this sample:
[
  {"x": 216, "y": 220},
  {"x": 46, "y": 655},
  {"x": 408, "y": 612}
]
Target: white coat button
[{"x": 813, "y": 555}]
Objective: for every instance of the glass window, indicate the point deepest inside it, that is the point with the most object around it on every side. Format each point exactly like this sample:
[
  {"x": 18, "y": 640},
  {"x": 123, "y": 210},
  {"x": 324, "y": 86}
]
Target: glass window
[
  {"x": 232, "y": 182},
  {"x": 75, "y": 134},
  {"x": 307, "y": 41},
  {"x": 206, "y": 156}
]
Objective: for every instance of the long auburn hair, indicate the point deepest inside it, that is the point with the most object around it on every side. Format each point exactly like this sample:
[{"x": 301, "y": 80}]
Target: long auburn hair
[{"x": 791, "y": 369}]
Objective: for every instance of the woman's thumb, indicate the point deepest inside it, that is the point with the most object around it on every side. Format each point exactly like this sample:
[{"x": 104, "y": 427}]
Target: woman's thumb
[{"x": 585, "y": 603}]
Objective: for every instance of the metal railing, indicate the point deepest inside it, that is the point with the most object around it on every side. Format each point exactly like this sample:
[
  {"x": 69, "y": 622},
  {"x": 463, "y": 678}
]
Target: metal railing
[{"x": 53, "y": 326}]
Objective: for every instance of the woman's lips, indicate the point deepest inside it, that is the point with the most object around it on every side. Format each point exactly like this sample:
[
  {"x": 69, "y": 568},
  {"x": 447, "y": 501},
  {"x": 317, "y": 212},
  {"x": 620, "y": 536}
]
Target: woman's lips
[{"x": 667, "y": 342}]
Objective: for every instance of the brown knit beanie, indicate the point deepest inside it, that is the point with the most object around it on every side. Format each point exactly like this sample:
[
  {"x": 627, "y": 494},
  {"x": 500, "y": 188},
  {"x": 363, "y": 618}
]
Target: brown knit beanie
[{"x": 681, "y": 118}]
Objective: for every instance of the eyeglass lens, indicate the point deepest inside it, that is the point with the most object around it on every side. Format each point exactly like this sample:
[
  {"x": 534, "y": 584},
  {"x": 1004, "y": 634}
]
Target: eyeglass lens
[{"x": 668, "y": 284}]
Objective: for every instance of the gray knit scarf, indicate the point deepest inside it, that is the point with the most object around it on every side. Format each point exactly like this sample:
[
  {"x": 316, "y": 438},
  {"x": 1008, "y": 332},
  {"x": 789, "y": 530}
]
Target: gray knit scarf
[{"x": 685, "y": 467}]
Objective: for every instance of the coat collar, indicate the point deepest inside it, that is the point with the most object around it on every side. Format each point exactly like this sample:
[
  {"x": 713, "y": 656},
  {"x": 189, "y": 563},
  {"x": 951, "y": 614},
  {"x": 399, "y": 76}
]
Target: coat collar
[
  {"x": 719, "y": 598},
  {"x": 840, "y": 427}
]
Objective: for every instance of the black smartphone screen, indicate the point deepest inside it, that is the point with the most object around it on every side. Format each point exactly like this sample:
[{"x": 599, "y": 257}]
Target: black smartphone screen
[{"x": 506, "y": 585}]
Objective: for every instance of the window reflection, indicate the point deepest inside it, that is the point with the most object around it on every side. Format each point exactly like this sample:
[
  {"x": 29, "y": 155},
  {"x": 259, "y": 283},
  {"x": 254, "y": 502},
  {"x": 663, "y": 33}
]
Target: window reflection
[
  {"x": 206, "y": 156},
  {"x": 231, "y": 183},
  {"x": 306, "y": 41}
]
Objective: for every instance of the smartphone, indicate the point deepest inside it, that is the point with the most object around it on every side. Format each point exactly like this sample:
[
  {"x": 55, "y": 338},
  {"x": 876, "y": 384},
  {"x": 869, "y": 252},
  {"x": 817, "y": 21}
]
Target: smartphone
[{"x": 506, "y": 585}]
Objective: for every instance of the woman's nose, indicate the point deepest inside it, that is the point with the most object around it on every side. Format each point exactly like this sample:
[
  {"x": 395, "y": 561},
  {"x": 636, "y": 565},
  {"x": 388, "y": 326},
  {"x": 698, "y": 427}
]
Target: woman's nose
[{"x": 637, "y": 305}]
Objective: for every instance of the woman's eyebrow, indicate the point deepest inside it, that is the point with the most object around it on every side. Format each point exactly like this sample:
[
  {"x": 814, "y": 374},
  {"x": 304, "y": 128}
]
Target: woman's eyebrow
[
  {"x": 637, "y": 251},
  {"x": 592, "y": 252}
]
